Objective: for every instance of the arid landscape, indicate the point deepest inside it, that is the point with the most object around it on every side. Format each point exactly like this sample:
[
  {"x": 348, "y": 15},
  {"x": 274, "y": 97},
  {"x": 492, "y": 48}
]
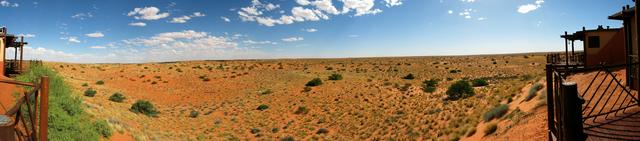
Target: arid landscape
[{"x": 372, "y": 99}]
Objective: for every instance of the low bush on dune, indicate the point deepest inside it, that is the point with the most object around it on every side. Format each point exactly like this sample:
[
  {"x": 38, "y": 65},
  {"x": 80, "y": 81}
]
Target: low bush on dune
[
  {"x": 496, "y": 112},
  {"x": 335, "y": 76},
  {"x": 85, "y": 84},
  {"x": 67, "y": 119},
  {"x": 459, "y": 90},
  {"x": 100, "y": 82},
  {"x": 490, "y": 129},
  {"x": 301, "y": 110},
  {"x": 117, "y": 97},
  {"x": 90, "y": 92},
  {"x": 430, "y": 85},
  {"x": 479, "y": 82},
  {"x": 533, "y": 91},
  {"x": 144, "y": 107},
  {"x": 409, "y": 77},
  {"x": 193, "y": 114},
  {"x": 314, "y": 82},
  {"x": 103, "y": 128},
  {"x": 262, "y": 107}
]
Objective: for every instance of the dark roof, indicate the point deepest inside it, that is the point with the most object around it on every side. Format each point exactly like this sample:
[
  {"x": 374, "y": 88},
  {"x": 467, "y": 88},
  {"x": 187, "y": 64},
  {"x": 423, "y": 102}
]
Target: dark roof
[
  {"x": 624, "y": 14},
  {"x": 580, "y": 35}
]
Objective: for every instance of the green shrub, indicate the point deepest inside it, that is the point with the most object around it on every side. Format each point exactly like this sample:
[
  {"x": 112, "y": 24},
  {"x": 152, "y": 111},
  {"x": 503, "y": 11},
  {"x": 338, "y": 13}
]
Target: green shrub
[
  {"x": 460, "y": 89},
  {"x": 117, "y": 97},
  {"x": 314, "y": 82},
  {"x": 144, "y": 107},
  {"x": 301, "y": 110},
  {"x": 193, "y": 114},
  {"x": 90, "y": 92},
  {"x": 262, "y": 107},
  {"x": 99, "y": 82},
  {"x": 496, "y": 112},
  {"x": 490, "y": 129},
  {"x": 533, "y": 91},
  {"x": 409, "y": 77},
  {"x": 430, "y": 85},
  {"x": 479, "y": 82},
  {"x": 85, "y": 84},
  {"x": 103, "y": 128},
  {"x": 67, "y": 119},
  {"x": 335, "y": 76}
]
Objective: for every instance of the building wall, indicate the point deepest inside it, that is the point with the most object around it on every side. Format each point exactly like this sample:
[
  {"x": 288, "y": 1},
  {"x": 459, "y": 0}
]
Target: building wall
[
  {"x": 611, "y": 50},
  {"x": 2, "y": 56}
]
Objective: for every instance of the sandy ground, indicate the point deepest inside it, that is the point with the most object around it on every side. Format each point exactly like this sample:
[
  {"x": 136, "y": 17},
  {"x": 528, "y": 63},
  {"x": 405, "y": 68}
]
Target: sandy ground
[{"x": 372, "y": 102}]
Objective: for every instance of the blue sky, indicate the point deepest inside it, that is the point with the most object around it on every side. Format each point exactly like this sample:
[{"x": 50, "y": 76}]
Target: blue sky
[{"x": 162, "y": 30}]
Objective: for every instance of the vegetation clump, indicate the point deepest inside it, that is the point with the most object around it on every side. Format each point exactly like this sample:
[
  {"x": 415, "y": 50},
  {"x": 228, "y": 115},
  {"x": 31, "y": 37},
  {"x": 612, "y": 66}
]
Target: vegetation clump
[
  {"x": 314, "y": 82},
  {"x": 409, "y": 77},
  {"x": 301, "y": 110},
  {"x": 430, "y": 85},
  {"x": 262, "y": 107},
  {"x": 67, "y": 119},
  {"x": 533, "y": 92},
  {"x": 335, "y": 76},
  {"x": 459, "y": 90},
  {"x": 479, "y": 82},
  {"x": 117, "y": 97},
  {"x": 100, "y": 82},
  {"x": 90, "y": 92},
  {"x": 144, "y": 107},
  {"x": 496, "y": 112},
  {"x": 490, "y": 129},
  {"x": 103, "y": 128},
  {"x": 194, "y": 114}
]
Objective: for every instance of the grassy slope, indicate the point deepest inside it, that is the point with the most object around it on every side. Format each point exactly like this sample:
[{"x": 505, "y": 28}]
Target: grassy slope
[{"x": 67, "y": 121}]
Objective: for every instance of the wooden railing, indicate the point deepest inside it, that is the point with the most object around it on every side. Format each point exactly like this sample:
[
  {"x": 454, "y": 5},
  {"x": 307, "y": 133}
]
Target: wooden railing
[{"x": 38, "y": 93}]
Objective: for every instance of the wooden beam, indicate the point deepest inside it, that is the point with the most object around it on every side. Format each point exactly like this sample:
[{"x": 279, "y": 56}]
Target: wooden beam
[{"x": 44, "y": 108}]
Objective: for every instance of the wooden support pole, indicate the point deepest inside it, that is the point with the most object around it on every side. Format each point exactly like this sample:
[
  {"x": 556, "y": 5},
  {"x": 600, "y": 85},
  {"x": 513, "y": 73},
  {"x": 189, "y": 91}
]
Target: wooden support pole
[
  {"x": 44, "y": 108},
  {"x": 566, "y": 52},
  {"x": 637, "y": 39},
  {"x": 21, "y": 52},
  {"x": 550, "y": 117},
  {"x": 571, "y": 113}
]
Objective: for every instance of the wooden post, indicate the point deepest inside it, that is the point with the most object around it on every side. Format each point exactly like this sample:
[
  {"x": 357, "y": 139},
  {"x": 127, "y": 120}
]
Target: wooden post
[
  {"x": 571, "y": 113},
  {"x": 44, "y": 108},
  {"x": 566, "y": 52},
  {"x": 21, "y": 52},
  {"x": 637, "y": 2},
  {"x": 550, "y": 117}
]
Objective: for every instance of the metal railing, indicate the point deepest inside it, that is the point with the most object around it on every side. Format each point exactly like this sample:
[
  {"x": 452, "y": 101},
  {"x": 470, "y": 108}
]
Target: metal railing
[
  {"x": 25, "y": 111},
  {"x": 595, "y": 110}
]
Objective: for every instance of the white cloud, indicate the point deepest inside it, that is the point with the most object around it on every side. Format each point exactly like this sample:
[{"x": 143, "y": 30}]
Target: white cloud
[
  {"x": 251, "y": 42},
  {"x": 293, "y": 39},
  {"x": 27, "y": 35},
  {"x": 147, "y": 13},
  {"x": 467, "y": 13},
  {"x": 225, "y": 19},
  {"x": 391, "y": 3},
  {"x": 71, "y": 39},
  {"x": 524, "y": 9},
  {"x": 185, "y": 18},
  {"x": 450, "y": 11},
  {"x": 82, "y": 16},
  {"x": 95, "y": 35},
  {"x": 482, "y": 19},
  {"x": 308, "y": 11},
  {"x": 468, "y": 1},
  {"x": 353, "y": 36},
  {"x": 140, "y": 24},
  {"x": 362, "y": 7},
  {"x": 311, "y": 30},
  {"x": 97, "y": 47},
  {"x": 5, "y": 3}
]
